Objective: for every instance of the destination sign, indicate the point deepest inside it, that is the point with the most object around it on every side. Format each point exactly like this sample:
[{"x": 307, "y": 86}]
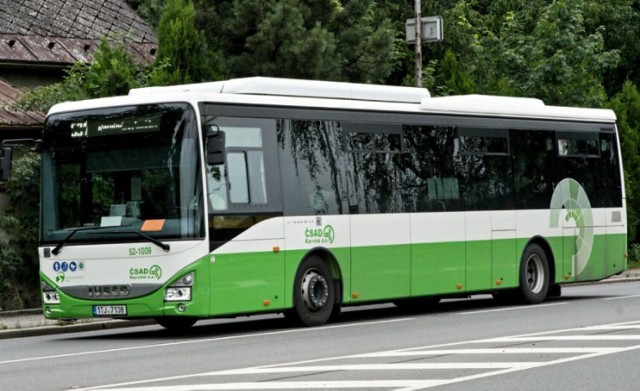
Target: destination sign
[{"x": 114, "y": 126}]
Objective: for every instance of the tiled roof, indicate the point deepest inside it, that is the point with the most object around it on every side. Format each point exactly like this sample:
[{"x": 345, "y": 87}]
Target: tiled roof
[
  {"x": 16, "y": 119},
  {"x": 61, "y": 32},
  {"x": 57, "y": 33},
  {"x": 80, "y": 19},
  {"x": 46, "y": 51}
]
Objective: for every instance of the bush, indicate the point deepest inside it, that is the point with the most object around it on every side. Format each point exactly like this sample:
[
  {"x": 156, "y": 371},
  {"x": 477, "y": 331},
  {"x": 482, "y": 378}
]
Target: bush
[
  {"x": 634, "y": 256},
  {"x": 19, "y": 281}
]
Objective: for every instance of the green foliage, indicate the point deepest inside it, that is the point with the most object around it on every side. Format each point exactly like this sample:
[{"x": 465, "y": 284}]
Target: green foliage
[
  {"x": 18, "y": 249},
  {"x": 112, "y": 72},
  {"x": 547, "y": 53},
  {"x": 626, "y": 104},
  {"x": 331, "y": 40},
  {"x": 634, "y": 256},
  {"x": 183, "y": 56},
  {"x": 42, "y": 98},
  {"x": 621, "y": 19},
  {"x": 454, "y": 79}
]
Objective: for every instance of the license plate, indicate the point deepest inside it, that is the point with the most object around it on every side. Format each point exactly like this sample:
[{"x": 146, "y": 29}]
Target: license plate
[{"x": 109, "y": 310}]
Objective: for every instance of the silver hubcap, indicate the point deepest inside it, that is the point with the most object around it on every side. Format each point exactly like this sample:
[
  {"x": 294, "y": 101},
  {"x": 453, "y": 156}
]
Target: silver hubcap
[
  {"x": 535, "y": 273},
  {"x": 315, "y": 290}
]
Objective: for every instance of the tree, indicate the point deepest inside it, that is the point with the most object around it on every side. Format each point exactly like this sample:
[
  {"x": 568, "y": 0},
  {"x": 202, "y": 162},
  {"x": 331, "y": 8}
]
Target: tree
[
  {"x": 621, "y": 21},
  {"x": 626, "y": 104},
  {"x": 330, "y": 40},
  {"x": 183, "y": 55},
  {"x": 19, "y": 242},
  {"x": 552, "y": 57}
]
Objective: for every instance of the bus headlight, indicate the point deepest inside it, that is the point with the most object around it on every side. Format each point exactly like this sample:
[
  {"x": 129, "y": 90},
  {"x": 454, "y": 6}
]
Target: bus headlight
[
  {"x": 49, "y": 294},
  {"x": 180, "y": 290},
  {"x": 177, "y": 294}
]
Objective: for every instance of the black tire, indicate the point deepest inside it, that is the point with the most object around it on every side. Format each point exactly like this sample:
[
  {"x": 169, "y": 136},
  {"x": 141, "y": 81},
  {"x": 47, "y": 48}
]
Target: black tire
[
  {"x": 534, "y": 275},
  {"x": 314, "y": 293},
  {"x": 176, "y": 323}
]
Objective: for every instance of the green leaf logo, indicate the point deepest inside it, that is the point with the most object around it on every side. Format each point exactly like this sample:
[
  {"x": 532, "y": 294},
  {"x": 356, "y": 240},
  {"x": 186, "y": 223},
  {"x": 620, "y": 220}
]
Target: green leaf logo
[{"x": 329, "y": 233}]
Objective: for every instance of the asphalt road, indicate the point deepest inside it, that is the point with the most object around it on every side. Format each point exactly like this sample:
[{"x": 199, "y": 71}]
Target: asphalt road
[{"x": 588, "y": 339}]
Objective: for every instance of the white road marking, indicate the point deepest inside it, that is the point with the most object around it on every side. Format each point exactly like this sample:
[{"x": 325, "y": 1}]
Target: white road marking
[
  {"x": 620, "y": 327},
  {"x": 365, "y": 384},
  {"x": 621, "y": 297},
  {"x": 565, "y": 338},
  {"x": 495, "y": 368},
  {"x": 375, "y": 367},
  {"x": 199, "y": 341},
  {"x": 522, "y": 307},
  {"x": 444, "y": 352}
]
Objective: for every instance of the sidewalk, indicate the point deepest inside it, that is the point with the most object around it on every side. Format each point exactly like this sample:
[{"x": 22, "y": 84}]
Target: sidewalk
[
  {"x": 627, "y": 275},
  {"x": 30, "y": 323}
]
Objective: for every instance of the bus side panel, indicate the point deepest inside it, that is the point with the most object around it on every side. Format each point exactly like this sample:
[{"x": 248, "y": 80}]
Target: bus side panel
[
  {"x": 438, "y": 253},
  {"x": 607, "y": 257},
  {"x": 479, "y": 250},
  {"x": 380, "y": 256},
  {"x": 616, "y": 248},
  {"x": 504, "y": 262},
  {"x": 247, "y": 276},
  {"x": 616, "y": 239}
]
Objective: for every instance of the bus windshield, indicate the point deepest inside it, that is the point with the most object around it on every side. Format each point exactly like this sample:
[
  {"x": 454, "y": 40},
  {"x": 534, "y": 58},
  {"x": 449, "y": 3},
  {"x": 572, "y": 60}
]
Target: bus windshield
[{"x": 122, "y": 174}]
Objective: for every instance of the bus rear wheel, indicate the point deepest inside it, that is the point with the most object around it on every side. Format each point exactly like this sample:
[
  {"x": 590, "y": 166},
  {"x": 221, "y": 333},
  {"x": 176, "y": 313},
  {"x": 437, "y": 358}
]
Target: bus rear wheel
[
  {"x": 314, "y": 293},
  {"x": 534, "y": 275}
]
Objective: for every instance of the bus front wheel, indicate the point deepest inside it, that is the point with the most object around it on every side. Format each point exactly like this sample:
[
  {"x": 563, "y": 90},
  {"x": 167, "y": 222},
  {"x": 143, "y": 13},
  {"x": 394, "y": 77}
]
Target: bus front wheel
[
  {"x": 314, "y": 292},
  {"x": 534, "y": 274}
]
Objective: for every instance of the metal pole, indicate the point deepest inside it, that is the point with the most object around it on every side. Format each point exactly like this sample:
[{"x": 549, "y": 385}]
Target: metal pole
[{"x": 418, "y": 7}]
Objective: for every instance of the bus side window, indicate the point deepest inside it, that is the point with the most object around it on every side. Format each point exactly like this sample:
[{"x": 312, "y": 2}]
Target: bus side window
[
  {"x": 238, "y": 177},
  {"x": 534, "y": 167},
  {"x": 242, "y": 179},
  {"x": 483, "y": 164}
]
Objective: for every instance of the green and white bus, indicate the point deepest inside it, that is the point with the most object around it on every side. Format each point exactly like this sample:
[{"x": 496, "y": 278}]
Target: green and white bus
[{"x": 263, "y": 195}]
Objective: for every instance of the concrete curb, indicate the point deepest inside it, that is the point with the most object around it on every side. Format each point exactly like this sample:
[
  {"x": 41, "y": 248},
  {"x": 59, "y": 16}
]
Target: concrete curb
[{"x": 72, "y": 328}]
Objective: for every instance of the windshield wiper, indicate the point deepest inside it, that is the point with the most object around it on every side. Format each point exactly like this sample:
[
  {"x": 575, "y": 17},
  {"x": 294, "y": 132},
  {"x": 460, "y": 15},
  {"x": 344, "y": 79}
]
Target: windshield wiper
[
  {"x": 56, "y": 249},
  {"x": 155, "y": 241}
]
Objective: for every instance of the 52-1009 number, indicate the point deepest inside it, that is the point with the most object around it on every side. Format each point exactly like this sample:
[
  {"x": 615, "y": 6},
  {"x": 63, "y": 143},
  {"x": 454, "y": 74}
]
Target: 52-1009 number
[{"x": 135, "y": 251}]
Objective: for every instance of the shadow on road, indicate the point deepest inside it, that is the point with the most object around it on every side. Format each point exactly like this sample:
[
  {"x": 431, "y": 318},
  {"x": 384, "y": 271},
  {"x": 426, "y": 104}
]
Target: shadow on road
[{"x": 271, "y": 323}]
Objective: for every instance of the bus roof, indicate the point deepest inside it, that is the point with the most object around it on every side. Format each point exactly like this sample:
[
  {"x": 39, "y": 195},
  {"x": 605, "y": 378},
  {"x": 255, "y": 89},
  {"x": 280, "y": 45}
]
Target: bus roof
[
  {"x": 300, "y": 88},
  {"x": 509, "y": 107},
  {"x": 330, "y": 94}
]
